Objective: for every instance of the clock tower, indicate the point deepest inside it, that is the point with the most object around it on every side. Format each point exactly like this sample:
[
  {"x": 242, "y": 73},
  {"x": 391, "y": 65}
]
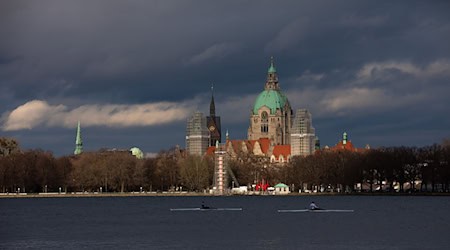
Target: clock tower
[
  {"x": 271, "y": 116},
  {"x": 213, "y": 123}
]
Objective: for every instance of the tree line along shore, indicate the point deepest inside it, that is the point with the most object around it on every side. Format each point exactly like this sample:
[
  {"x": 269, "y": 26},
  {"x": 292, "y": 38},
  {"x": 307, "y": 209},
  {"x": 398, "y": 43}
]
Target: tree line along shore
[
  {"x": 199, "y": 194},
  {"x": 390, "y": 170}
]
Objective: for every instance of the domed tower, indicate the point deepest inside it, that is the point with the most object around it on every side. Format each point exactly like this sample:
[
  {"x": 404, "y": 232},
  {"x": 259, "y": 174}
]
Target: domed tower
[{"x": 271, "y": 116}]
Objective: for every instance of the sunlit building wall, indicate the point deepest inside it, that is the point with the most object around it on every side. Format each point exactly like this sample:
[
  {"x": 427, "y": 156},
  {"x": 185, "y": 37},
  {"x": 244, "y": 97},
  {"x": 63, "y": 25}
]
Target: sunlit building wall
[{"x": 303, "y": 138}]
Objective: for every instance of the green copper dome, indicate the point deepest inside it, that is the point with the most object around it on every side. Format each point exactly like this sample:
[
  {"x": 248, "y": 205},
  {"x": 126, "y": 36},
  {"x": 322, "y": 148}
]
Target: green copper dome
[
  {"x": 281, "y": 185},
  {"x": 273, "y": 99},
  {"x": 137, "y": 152}
]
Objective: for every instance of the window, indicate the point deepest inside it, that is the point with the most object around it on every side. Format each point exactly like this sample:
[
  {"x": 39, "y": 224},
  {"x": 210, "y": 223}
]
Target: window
[
  {"x": 264, "y": 128},
  {"x": 264, "y": 122}
]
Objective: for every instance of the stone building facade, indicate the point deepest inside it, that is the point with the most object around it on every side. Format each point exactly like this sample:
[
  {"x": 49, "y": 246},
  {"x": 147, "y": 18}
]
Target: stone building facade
[{"x": 274, "y": 131}]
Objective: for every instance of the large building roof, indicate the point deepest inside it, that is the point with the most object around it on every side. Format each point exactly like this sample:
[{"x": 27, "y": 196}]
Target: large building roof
[
  {"x": 346, "y": 144},
  {"x": 284, "y": 150},
  {"x": 273, "y": 99}
]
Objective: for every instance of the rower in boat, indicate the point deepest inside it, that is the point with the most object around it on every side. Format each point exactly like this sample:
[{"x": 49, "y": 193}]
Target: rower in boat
[
  {"x": 313, "y": 206},
  {"x": 203, "y": 206}
]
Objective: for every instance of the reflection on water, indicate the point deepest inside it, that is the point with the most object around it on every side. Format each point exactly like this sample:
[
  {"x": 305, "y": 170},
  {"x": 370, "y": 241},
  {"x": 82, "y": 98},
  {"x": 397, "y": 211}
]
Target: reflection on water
[{"x": 379, "y": 222}]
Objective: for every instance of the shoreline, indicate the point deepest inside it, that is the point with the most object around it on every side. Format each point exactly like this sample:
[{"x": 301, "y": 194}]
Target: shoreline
[{"x": 193, "y": 194}]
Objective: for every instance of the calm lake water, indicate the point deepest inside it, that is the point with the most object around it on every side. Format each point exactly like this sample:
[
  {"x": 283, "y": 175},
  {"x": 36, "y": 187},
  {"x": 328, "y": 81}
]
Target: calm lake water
[{"x": 379, "y": 222}]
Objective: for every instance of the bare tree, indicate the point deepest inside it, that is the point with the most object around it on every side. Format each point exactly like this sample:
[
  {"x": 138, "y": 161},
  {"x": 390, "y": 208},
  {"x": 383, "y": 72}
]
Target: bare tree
[
  {"x": 123, "y": 167},
  {"x": 168, "y": 169},
  {"x": 194, "y": 173},
  {"x": 150, "y": 178},
  {"x": 64, "y": 166}
]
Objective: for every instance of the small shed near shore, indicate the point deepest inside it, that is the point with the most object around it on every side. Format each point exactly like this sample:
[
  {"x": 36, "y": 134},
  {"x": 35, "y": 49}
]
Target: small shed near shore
[{"x": 281, "y": 188}]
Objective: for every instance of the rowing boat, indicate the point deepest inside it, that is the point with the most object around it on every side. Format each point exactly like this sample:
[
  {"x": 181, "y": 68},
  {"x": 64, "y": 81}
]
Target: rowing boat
[
  {"x": 315, "y": 211},
  {"x": 207, "y": 209}
]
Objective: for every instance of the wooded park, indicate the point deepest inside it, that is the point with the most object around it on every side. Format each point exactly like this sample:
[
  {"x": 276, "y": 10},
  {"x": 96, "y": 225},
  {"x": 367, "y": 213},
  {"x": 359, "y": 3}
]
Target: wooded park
[{"x": 390, "y": 169}]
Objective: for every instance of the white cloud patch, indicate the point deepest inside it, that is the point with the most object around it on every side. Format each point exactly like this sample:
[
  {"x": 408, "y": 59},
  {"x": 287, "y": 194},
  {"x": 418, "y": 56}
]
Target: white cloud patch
[
  {"x": 347, "y": 101},
  {"x": 31, "y": 114},
  {"x": 355, "y": 99},
  {"x": 40, "y": 113},
  {"x": 309, "y": 76},
  {"x": 371, "y": 70},
  {"x": 214, "y": 52}
]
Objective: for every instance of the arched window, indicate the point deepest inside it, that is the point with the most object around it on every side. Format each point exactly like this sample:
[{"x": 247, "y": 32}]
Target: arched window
[{"x": 264, "y": 122}]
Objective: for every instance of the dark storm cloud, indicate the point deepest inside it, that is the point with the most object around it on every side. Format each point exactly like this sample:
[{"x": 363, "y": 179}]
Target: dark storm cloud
[{"x": 360, "y": 66}]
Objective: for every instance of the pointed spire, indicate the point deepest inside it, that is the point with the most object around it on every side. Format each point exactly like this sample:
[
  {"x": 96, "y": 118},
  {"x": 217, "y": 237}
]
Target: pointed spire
[
  {"x": 78, "y": 141},
  {"x": 272, "y": 68},
  {"x": 212, "y": 106},
  {"x": 272, "y": 78},
  {"x": 227, "y": 135},
  {"x": 344, "y": 138}
]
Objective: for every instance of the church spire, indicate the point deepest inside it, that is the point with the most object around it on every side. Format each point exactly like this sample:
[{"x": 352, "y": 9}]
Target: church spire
[
  {"x": 212, "y": 106},
  {"x": 272, "y": 78},
  {"x": 272, "y": 68},
  {"x": 78, "y": 141}
]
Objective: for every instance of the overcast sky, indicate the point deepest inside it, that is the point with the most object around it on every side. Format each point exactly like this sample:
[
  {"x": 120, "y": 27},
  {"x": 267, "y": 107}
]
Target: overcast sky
[{"x": 133, "y": 71}]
